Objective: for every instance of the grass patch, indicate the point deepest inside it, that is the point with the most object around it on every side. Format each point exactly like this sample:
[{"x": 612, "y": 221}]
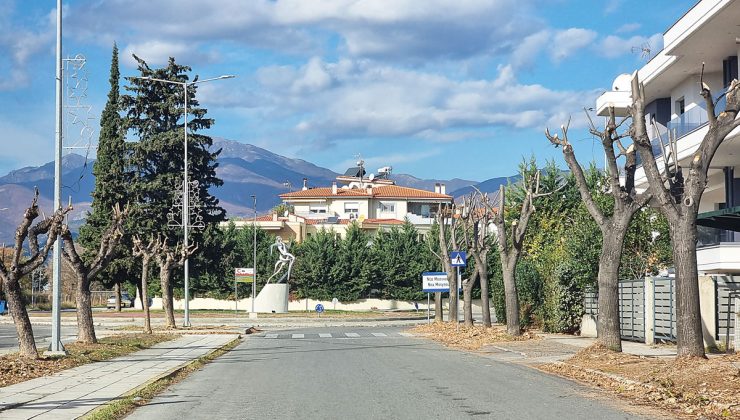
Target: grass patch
[
  {"x": 15, "y": 369},
  {"x": 122, "y": 407}
]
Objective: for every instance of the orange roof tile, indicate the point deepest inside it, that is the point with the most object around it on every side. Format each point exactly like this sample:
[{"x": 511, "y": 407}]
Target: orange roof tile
[{"x": 384, "y": 221}]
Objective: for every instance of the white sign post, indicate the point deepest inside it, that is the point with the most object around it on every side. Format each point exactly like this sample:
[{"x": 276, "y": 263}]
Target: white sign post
[{"x": 432, "y": 282}]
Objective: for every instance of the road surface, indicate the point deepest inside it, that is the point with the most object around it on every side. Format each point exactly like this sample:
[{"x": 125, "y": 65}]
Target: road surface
[
  {"x": 42, "y": 333},
  {"x": 369, "y": 373}
]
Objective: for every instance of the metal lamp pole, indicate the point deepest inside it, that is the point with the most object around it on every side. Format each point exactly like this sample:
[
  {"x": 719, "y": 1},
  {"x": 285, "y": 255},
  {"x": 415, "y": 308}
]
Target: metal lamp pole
[
  {"x": 186, "y": 184},
  {"x": 56, "y": 346},
  {"x": 254, "y": 255}
]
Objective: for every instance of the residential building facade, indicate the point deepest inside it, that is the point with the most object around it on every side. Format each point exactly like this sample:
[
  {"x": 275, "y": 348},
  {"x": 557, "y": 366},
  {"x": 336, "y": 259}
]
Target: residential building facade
[
  {"x": 708, "y": 37},
  {"x": 374, "y": 202}
]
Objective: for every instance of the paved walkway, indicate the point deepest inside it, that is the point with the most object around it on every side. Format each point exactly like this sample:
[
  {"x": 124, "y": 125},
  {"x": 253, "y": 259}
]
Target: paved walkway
[
  {"x": 557, "y": 347},
  {"x": 74, "y": 392}
]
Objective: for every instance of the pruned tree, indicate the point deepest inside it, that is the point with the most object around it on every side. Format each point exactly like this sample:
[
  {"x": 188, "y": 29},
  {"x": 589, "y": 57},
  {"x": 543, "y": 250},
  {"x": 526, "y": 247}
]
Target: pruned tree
[
  {"x": 85, "y": 271},
  {"x": 11, "y": 274},
  {"x": 146, "y": 252},
  {"x": 613, "y": 226},
  {"x": 510, "y": 244},
  {"x": 477, "y": 219},
  {"x": 447, "y": 223},
  {"x": 168, "y": 257},
  {"x": 677, "y": 191}
]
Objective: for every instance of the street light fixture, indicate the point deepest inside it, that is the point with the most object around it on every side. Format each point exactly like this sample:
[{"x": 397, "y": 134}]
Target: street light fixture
[{"x": 185, "y": 184}]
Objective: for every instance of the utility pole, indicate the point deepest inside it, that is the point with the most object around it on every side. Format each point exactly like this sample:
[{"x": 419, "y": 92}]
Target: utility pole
[
  {"x": 253, "y": 314},
  {"x": 56, "y": 347}
]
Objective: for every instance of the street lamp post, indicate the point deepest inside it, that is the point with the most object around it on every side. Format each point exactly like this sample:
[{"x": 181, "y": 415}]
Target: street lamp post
[
  {"x": 254, "y": 256},
  {"x": 185, "y": 184}
]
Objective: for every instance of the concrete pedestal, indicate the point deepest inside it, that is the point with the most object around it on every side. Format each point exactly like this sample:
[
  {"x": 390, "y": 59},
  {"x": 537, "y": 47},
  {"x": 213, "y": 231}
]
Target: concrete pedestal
[{"x": 273, "y": 298}]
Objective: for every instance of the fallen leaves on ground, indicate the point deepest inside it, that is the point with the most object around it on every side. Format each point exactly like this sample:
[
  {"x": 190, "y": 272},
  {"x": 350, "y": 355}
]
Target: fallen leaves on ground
[
  {"x": 469, "y": 338},
  {"x": 688, "y": 387},
  {"x": 15, "y": 369}
]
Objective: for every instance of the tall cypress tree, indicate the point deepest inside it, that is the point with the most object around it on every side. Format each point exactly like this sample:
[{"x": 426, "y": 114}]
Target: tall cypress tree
[{"x": 111, "y": 177}]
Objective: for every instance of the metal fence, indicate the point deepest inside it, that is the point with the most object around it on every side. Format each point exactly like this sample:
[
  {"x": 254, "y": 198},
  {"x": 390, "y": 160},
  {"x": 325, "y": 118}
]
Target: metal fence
[
  {"x": 664, "y": 308},
  {"x": 591, "y": 302},
  {"x": 632, "y": 309},
  {"x": 725, "y": 291}
]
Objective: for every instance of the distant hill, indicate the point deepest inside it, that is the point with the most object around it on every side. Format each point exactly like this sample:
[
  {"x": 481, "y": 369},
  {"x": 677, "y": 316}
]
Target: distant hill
[{"x": 245, "y": 169}]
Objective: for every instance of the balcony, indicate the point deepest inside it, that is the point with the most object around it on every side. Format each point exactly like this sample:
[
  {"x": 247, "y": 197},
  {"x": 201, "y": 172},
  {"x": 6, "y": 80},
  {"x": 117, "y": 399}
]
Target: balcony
[
  {"x": 681, "y": 126},
  {"x": 717, "y": 250}
]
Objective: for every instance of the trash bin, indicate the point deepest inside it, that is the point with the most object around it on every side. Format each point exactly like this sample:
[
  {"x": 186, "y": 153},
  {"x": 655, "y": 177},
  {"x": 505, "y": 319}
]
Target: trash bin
[{"x": 3, "y": 307}]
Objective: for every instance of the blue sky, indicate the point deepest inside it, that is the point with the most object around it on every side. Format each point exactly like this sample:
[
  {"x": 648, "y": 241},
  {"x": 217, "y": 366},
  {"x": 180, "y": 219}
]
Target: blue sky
[{"x": 434, "y": 88}]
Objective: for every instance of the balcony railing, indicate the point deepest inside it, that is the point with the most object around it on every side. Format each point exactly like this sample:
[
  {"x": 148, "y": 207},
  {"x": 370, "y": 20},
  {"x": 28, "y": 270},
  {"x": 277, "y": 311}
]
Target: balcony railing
[
  {"x": 686, "y": 123},
  {"x": 707, "y": 236}
]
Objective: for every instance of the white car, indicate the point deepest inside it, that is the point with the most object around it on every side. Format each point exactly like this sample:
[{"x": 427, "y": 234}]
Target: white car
[{"x": 126, "y": 301}]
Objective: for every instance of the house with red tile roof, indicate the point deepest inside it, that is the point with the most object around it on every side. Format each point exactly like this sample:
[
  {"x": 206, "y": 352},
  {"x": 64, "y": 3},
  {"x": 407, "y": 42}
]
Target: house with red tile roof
[{"x": 374, "y": 202}]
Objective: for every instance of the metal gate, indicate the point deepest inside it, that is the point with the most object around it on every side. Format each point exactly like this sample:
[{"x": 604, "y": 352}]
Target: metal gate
[
  {"x": 725, "y": 289},
  {"x": 664, "y": 308},
  {"x": 632, "y": 309}
]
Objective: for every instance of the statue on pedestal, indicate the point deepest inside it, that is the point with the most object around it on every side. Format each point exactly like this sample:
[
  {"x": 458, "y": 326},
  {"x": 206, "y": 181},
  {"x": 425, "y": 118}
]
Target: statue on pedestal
[{"x": 285, "y": 257}]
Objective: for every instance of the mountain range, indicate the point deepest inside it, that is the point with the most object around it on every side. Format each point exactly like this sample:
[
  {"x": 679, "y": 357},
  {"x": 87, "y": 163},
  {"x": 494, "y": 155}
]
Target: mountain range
[{"x": 245, "y": 169}]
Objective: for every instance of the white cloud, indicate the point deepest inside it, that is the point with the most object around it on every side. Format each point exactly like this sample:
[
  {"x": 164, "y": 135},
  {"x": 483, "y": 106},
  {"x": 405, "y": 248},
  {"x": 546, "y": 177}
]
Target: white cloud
[
  {"x": 401, "y": 29},
  {"x": 567, "y": 42},
  {"x": 365, "y": 99},
  {"x": 18, "y": 44},
  {"x": 614, "y": 46},
  {"x": 628, "y": 27}
]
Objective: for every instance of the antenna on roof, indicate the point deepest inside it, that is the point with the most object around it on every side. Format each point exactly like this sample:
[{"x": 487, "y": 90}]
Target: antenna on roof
[
  {"x": 360, "y": 164},
  {"x": 645, "y": 49}
]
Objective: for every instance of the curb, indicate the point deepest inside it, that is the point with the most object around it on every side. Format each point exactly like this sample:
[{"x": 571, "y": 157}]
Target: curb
[
  {"x": 172, "y": 372},
  {"x": 606, "y": 375}
]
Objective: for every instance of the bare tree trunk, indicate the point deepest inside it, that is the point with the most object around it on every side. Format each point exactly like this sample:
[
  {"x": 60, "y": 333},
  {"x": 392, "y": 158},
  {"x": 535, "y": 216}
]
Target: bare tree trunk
[
  {"x": 468, "y": 299},
  {"x": 144, "y": 295},
  {"x": 608, "y": 326},
  {"x": 513, "y": 326},
  {"x": 85, "y": 325},
  {"x": 17, "y": 309},
  {"x": 438, "y": 316},
  {"x": 165, "y": 273},
  {"x": 117, "y": 293},
  {"x": 688, "y": 326},
  {"x": 484, "y": 299}
]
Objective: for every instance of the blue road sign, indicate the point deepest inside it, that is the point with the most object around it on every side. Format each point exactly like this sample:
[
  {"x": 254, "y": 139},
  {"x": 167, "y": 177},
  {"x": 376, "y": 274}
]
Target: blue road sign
[
  {"x": 319, "y": 308},
  {"x": 458, "y": 258}
]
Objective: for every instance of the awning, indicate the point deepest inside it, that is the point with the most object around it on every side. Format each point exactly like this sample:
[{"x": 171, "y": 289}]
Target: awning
[{"x": 728, "y": 219}]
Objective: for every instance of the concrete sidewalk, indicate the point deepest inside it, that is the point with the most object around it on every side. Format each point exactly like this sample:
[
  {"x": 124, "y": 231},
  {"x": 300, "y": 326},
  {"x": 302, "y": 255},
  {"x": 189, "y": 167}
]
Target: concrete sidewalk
[
  {"x": 72, "y": 393},
  {"x": 558, "y": 347}
]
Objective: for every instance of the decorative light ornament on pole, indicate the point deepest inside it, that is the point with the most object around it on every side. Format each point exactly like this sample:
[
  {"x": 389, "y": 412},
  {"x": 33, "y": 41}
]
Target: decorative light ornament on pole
[{"x": 186, "y": 183}]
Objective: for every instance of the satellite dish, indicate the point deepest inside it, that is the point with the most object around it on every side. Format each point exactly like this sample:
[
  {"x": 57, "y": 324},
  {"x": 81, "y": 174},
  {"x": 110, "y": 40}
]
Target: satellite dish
[{"x": 371, "y": 177}]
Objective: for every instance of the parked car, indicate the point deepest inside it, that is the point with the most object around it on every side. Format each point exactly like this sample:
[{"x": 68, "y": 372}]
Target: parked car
[{"x": 126, "y": 301}]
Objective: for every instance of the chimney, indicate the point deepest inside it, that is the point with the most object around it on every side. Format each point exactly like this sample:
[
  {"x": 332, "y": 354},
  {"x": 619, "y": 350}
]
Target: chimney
[
  {"x": 370, "y": 189},
  {"x": 334, "y": 188},
  {"x": 305, "y": 184},
  {"x": 274, "y": 217},
  {"x": 442, "y": 189},
  {"x": 436, "y": 187}
]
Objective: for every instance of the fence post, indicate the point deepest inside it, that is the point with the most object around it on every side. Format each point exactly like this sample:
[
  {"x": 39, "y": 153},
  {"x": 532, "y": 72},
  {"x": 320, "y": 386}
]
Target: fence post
[{"x": 649, "y": 293}]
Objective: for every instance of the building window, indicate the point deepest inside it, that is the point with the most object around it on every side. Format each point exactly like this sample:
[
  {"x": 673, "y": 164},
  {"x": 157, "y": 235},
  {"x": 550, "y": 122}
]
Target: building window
[
  {"x": 387, "y": 207},
  {"x": 317, "y": 209},
  {"x": 680, "y": 106},
  {"x": 352, "y": 210}
]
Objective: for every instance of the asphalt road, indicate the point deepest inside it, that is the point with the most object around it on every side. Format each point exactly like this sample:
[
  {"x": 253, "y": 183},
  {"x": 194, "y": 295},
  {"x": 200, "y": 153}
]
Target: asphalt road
[
  {"x": 369, "y": 373},
  {"x": 42, "y": 333}
]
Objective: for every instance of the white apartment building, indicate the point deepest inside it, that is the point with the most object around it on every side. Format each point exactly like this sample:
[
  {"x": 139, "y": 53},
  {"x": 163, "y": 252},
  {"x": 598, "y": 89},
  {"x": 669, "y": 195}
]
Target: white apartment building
[
  {"x": 373, "y": 201},
  {"x": 708, "y": 33}
]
